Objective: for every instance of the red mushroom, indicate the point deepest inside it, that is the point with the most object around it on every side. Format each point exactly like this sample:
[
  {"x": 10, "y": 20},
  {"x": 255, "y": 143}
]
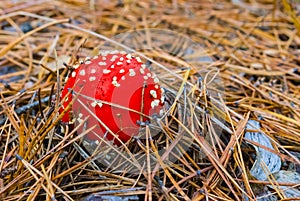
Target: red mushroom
[{"x": 118, "y": 89}]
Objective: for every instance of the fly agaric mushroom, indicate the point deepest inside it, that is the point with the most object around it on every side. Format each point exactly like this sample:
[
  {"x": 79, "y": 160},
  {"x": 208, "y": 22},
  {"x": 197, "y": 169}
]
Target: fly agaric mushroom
[{"x": 118, "y": 89}]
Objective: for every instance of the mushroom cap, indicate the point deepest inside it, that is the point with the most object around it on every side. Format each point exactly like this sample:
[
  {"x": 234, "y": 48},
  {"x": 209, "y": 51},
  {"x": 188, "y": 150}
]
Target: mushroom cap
[{"x": 119, "y": 90}]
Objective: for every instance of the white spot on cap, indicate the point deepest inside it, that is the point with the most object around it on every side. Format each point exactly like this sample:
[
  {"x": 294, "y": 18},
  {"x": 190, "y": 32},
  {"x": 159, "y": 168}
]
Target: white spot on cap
[
  {"x": 73, "y": 74},
  {"x": 112, "y": 66},
  {"x": 131, "y": 72},
  {"x": 106, "y": 71},
  {"x": 93, "y": 78},
  {"x": 121, "y": 71},
  {"x": 79, "y": 120},
  {"x": 142, "y": 71},
  {"x": 145, "y": 77},
  {"x": 76, "y": 66},
  {"x": 153, "y": 93},
  {"x": 104, "y": 53},
  {"x": 99, "y": 104},
  {"x": 87, "y": 58},
  {"x": 156, "y": 86},
  {"x": 154, "y": 103},
  {"x": 93, "y": 71},
  {"x": 115, "y": 83},
  {"x": 156, "y": 80},
  {"x": 123, "y": 77},
  {"x": 102, "y": 63},
  {"x": 128, "y": 56},
  {"x": 95, "y": 57},
  {"x": 115, "y": 78},
  {"x": 103, "y": 58},
  {"x": 114, "y": 58},
  {"x": 121, "y": 59},
  {"x": 143, "y": 66},
  {"x": 119, "y": 63},
  {"x": 149, "y": 74},
  {"x": 88, "y": 62},
  {"x": 93, "y": 104},
  {"x": 138, "y": 59},
  {"x": 162, "y": 98},
  {"x": 82, "y": 72},
  {"x": 161, "y": 112},
  {"x": 128, "y": 61}
]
